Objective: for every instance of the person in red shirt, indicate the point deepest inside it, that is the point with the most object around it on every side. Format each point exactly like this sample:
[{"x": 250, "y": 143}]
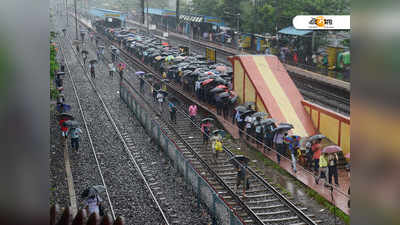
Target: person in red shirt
[
  {"x": 63, "y": 128},
  {"x": 295, "y": 58},
  {"x": 316, "y": 148}
]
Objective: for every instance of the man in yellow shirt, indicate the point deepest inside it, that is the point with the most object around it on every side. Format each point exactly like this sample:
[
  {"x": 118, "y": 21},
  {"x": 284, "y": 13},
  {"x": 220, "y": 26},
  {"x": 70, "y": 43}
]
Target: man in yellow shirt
[{"x": 323, "y": 168}]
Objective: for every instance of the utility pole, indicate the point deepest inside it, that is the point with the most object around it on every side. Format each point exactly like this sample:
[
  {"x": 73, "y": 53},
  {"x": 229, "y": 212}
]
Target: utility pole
[
  {"x": 66, "y": 10},
  {"x": 76, "y": 22},
  {"x": 147, "y": 16}
]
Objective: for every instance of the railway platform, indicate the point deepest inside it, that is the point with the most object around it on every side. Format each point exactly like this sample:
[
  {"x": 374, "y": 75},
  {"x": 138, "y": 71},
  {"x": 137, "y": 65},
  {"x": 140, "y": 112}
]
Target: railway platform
[
  {"x": 340, "y": 197},
  {"x": 291, "y": 69}
]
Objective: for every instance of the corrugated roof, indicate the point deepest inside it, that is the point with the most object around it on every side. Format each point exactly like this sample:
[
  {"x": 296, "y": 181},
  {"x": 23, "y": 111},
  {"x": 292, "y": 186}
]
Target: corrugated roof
[{"x": 293, "y": 31}]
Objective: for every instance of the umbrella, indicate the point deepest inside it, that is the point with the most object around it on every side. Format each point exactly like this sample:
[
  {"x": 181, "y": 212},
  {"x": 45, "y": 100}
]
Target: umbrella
[
  {"x": 71, "y": 123},
  {"x": 224, "y": 95},
  {"x": 233, "y": 99},
  {"x": 222, "y": 86},
  {"x": 239, "y": 158},
  {"x": 241, "y": 108},
  {"x": 164, "y": 44},
  {"x": 139, "y": 73},
  {"x": 283, "y": 127},
  {"x": 245, "y": 113},
  {"x": 331, "y": 149},
  {"x": 85, "y": 52},
  {"x": 221, "y": 68},
  {"x": 220, "y": 132},
  {"x": 316, "y": 137},
  {"x": 158, "y": 58},
  {"x": 260, "y": 114},
  {"x": 268, "y": 121},
  {"x": 347, "y": 156},
  {"x": 207, "y": 81},
  {"x": 163, "y": 92},
  {"x": 217, "y": 90},
  {"x": 65, "y": 108},
  {"x": 60, "y": 73},
  {"x": 93, "y": 191},
  {"x": 247, "y": 104},
  {"x": 65, "y": 116},
  {"x": 93, "y": 61},
  {"x": 207, "y": 120}
]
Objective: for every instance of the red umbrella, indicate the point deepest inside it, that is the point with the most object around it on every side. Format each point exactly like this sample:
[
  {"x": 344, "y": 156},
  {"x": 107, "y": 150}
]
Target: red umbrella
[
  {"x": 164, "y": 43},
  {"x": 331, "y": 149},
  {"x": 222, "y": 86},
  {"x": 207, "y": 81}
]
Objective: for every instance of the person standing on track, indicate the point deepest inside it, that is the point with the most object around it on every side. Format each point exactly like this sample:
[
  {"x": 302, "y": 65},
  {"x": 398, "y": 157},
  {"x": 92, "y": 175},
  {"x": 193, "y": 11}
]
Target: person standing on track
[
  {"x": 141, "y": 83},
  {"x": 217, "y": 148},
  {"x": 239, "y": 122},
  {"x": 205, "y": 129},
  {"x": 111, "y": 69},
  {"x": 172, "y": 111},
  {"x": 75, "y": 137},
  {"x": 160, "y": 98}
]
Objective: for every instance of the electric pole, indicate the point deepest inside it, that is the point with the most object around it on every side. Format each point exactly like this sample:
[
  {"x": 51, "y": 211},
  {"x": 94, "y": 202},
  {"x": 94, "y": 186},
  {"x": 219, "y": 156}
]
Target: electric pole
[
  {"x": 76, "y": 22},
  {"x": 66, "y": 10}
]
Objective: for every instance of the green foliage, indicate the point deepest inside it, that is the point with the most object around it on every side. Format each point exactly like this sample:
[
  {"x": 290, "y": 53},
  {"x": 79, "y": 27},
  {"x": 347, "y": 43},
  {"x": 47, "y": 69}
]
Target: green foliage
[{"x": 261, "y": 16}]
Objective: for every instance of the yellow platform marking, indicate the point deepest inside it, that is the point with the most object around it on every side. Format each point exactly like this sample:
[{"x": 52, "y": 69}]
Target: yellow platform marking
[{"x": 279, "y": 95}]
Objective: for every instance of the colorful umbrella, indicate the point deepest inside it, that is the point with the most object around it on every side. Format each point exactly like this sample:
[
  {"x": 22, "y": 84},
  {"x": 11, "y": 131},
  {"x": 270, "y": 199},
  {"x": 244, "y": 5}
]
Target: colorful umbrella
[
  {"x": 331, "y": 149},
  {"x": 207, "y": 81},
  {"x": 164, "y": 44},
  {"x": 140, "y": 73},
  {"x": 347, "y": 156},
  {"x": 222, "y": 86}
]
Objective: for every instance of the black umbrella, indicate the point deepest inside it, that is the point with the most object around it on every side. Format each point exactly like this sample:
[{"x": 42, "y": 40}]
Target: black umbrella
[
  {"x": 248, "y": 112},
  {"x": 85, "y": 52},
  {"x": 220, "y": 132},
  {"x": 71, "y": 123},
  {"x": 241, "y": 108},
  {"x": 207, "y": 120},
  {"x": 163, "y": 92},
  {"x": 247, "y": 104},
  {"x": 268, "y": 121},
  {"x": 217, "y": 90},
  {"x": 239, "y": 158},
  {"x": 93, "y": 61},
  {"x": 224, "y": 95},
  {"x": 65, "y": 116},
  {"x": 60, "y": 73},
  {"x": 316, "y": 137},
  {"x": 283, "y": 127},
  {"x": 260, "y": 114},
  {"x": 233, "y": 99}
]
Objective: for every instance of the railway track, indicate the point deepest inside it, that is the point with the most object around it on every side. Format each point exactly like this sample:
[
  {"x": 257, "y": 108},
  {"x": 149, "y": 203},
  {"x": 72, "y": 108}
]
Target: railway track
[
  {"x": 151, "y": 210},
  {"x": 328, "y": 97},
  {"x": 263, "y": 204}
]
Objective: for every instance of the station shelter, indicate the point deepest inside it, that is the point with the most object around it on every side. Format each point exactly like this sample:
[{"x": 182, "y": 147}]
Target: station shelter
[
  {"x": 264, "y": 80},
  {"x": 107, "y": 15}
]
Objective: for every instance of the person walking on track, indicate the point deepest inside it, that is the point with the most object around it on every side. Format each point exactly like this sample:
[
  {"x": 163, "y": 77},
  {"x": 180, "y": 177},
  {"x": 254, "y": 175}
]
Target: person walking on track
[
  {"x": 205, "y": 129},
  {"x": 160, "y": 99},
  {"x": 75, "y": 137},
  {"x": 92, "y": 73},
  {"x": 193, "y": 112}
]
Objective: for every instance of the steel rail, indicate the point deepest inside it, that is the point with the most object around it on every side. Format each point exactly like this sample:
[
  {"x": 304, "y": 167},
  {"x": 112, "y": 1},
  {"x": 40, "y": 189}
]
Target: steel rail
[
  {"x": 126, "y": 148},
  {"x": 286, "y": 201},
  {"x": 87, "y": 129}
]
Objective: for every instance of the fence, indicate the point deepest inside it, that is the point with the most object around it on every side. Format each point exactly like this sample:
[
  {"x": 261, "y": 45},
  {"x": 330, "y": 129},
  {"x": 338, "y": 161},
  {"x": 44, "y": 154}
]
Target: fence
[{"x": 200, "y": 186}]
